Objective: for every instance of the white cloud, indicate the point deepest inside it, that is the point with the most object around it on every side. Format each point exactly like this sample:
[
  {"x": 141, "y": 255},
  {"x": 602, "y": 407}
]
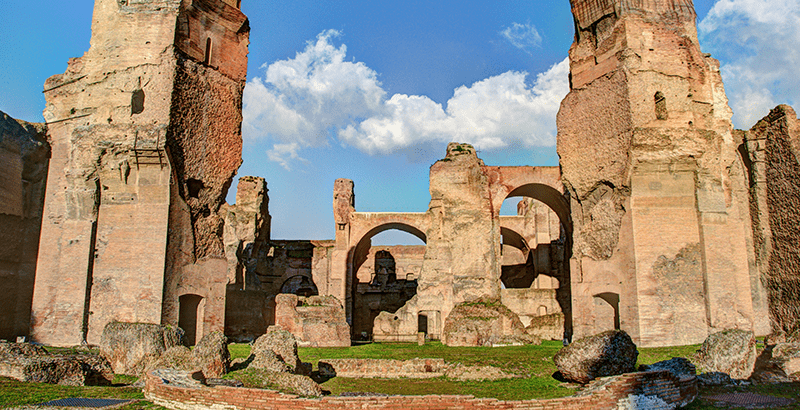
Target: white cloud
[
  {"x": 522, "y": 36},
  {"x": 304, "y": 101},
  {"x": 758, "y": 43},
  {"x": 492, "y": 113}
]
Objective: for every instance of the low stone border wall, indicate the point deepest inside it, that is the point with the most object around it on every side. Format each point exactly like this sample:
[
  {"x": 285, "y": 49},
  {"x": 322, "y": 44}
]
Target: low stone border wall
[
  {"x": 387, "y": 368},
  {"x": 661, "y": 390}
]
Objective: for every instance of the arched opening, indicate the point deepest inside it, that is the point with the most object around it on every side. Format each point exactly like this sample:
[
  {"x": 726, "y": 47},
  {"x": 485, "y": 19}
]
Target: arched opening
[
  {"x": 550, "y": 197},
  {"x": 300, "y": 285},
  {"x": 384, "y": 275},
  {"x": 190, "y": 317},
  {"x": 536, "y": 245},
  {"x": 517, "y": 270},
  {"x": 606, "y": 312}
]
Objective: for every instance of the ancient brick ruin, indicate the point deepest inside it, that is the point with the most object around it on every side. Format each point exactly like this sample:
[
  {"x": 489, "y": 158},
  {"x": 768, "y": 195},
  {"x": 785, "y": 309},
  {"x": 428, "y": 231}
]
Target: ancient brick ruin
[
  {"x": 658, "y": 193},
  {"x": 24, "y": 156},
  {"x": 463, "y": 231},
  {"x": 145, "y": 131},
  {"x": 771, "y": 152},
  {"x": 662, "y": 220}
]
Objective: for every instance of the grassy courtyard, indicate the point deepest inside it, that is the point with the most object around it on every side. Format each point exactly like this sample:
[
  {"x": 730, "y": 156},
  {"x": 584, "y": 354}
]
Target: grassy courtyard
[{"x": 534, "y": 363}]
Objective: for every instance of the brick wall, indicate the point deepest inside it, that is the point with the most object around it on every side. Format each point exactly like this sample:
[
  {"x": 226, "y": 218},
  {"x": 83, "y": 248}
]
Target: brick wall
[{"x": 601, "y": 394}]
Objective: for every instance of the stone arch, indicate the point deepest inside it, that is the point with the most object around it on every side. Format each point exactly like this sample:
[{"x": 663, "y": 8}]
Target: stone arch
[
  {"x": 548, "y": 195},
  {"x": 512, "y": 238},
  {"x": 357, "y": 255},
  {"x": 520, "y": 274},
  {"x": 300, "y": 285},
  {"x": 359, "y": 252},
  {"x": 542, "y": 184}
]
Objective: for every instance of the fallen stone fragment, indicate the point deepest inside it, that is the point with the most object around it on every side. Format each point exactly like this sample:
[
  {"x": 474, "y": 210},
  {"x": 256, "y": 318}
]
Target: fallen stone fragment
[
  {"x": 678, "y": 366},
  {"x": 211, "y": 355},
  {"x": 715, "y": 379},
  {"x": 30, "y": 363},
  {"x": 484, "y": 322},
  {"x": 131, "y": 348},
  {"x": 786, "y": 357},
  {"x": 606, "y": 354},
  {"x": 408, "y": 369},
  {"x": 275, "y": 351},
  {"x": 731, "y": 351}
]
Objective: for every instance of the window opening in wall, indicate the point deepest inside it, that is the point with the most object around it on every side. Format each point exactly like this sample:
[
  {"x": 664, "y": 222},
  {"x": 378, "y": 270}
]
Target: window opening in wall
[
  {"x": 661, "y": 106},
  {"x": 207, "y": 60},
  {"x": 238, "y": 4},
  {"x": 194, "y": 187}
]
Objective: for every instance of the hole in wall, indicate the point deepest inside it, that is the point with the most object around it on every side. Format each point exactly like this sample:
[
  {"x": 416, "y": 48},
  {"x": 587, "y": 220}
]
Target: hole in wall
[
  {"x": 194, "y": 186},
  {"x": 137, "y": 102}
]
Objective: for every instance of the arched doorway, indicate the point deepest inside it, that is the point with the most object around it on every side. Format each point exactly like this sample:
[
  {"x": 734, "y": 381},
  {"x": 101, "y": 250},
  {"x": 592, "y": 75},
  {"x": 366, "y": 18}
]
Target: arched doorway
[
  {"x": 190, "y": 319},
  {"x": 606, "y": 312},
  {"x": 517, "y": 267},
  {"x": 300, "y": 285},
  {"x": 539, "y": 269},
  {"x": 382, "y": 277}
]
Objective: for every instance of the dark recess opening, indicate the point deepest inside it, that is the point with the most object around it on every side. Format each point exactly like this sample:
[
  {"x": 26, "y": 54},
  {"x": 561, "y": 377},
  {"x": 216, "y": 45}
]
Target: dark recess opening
[
  {"x": 188, "y": 315},
  {"x": 194, "y": 186},
  {"x": 422, "y": 323},
  {"x": 137, "y": 102}
]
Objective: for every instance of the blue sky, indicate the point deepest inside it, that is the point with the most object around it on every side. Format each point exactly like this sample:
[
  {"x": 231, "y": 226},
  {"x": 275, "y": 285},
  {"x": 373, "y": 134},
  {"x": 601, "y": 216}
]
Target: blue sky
[{"x": 373, "y": 91}]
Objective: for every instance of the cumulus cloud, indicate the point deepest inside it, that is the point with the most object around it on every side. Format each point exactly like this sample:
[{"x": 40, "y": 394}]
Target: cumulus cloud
[
  {"x": 318, "y": 96},
  {"x": 491, "y": 113},
  {"x": 522, "y": 36},
  {"x": 759, "y": 45}
]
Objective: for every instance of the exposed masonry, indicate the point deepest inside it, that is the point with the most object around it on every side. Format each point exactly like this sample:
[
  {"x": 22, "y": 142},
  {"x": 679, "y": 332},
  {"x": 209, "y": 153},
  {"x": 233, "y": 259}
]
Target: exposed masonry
[
  {"x": 659, "y": 194},
  {"x": 662, "y": 220},
  {"x": 606, "y": 393},
  {"x": 146, "y": 137}
]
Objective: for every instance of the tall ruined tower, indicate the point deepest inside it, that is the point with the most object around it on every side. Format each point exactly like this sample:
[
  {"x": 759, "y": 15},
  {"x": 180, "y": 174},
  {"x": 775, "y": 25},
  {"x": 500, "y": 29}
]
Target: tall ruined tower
[
  {"x": 662, "y": 239},
  {"x": 146, "y": 137}
]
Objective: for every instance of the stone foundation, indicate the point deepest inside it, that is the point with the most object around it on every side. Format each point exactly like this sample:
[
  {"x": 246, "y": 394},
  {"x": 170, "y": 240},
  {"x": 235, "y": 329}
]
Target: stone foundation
[{"x": 604, "y": 394}]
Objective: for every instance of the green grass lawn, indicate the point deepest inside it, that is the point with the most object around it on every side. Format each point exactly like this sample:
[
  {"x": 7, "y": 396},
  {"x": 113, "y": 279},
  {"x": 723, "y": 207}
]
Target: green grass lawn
[
  {"x": 16, "y": 393},
  {"x": 534, "y": 363}
]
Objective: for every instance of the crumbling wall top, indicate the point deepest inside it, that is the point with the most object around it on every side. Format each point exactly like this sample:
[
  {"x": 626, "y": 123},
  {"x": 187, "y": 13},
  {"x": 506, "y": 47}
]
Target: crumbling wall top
[
  {"x": 588, "y": 12},
  {"x": 344, "y": 200}
]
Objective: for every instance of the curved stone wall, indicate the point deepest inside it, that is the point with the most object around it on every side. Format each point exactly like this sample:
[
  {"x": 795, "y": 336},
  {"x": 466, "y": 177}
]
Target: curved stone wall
[{"x": 607, "y": 393}]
